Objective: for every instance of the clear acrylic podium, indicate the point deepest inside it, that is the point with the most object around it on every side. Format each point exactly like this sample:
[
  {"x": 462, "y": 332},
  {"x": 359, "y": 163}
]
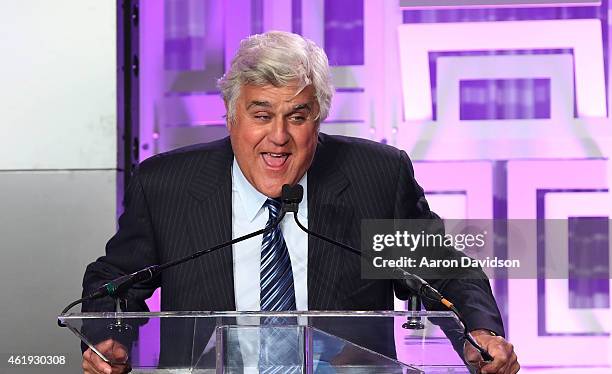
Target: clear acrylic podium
[{"x": 282, "y": 342}]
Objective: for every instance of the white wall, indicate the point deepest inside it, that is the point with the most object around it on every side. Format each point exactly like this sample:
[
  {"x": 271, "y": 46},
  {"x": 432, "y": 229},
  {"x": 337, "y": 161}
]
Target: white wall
[
  {"x": 57, "y": 166},
  {"x": 57, "y": 84}
]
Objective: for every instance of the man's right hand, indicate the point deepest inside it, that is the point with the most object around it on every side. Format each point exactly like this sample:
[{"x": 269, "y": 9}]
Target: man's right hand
[{"x": 113, "y": 350}]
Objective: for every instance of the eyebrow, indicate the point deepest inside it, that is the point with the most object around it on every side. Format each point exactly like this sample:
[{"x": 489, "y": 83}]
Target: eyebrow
[
  {"x": 265, "y": 104},
  {"x": 301, "y": 106}
]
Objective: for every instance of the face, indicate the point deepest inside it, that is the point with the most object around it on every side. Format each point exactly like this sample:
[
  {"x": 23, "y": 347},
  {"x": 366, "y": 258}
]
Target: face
[{"x": 274, "y": 135}]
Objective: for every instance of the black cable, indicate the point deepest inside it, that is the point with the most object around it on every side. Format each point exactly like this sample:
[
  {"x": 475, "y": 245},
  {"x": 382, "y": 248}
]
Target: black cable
[
  {"x": 67, "y": 308},
  {"x": 123, "y": 283},
  {"x": 358, "y": 252},
  {"x": 466, "y": 334}
]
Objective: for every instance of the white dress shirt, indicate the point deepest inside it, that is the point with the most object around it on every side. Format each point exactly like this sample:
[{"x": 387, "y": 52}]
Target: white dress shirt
[{"x": 248, "y": 215}]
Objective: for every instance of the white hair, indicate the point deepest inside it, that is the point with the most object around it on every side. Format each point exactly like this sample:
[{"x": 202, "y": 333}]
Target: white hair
[{"x": 278, "y": 58}]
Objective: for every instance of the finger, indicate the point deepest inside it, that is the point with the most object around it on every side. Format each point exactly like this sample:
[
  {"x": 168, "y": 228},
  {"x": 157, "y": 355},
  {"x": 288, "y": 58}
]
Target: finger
[
  {"x": 515, "y": 368},
  {"x": 492, "y": 367},
  {"x": 115, "y": 369},
  {"x": 99, "y": 364},
  {"x": 505, "y": 368},
  {"x": 86, "y": 364},
  {"x": 511, "y": 361},
  {"x": 119, "y": 353},
  {"x": 88, "y": 367},
  {"x": 500, "y": 358},
  {"x": 119, "y": 356},
  {"x": 120, "y": 369},
  {"x": 105, "y": 345},
  {"x": 472, "y": 356},
  {"x": 113, "y": 350}
]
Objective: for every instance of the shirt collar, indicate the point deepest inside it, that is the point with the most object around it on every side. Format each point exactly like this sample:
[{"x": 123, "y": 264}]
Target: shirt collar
[{"x": 253, "y": 200}]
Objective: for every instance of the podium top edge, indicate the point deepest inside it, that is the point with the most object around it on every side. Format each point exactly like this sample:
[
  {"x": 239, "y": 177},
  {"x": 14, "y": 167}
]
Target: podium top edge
[{"x": 229, "y": 314}]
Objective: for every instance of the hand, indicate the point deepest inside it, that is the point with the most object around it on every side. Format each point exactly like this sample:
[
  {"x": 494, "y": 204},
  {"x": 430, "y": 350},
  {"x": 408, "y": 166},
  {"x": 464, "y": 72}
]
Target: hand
[
  {"x": 113, "y": 350},
  {"x": 504, "y": 358}
]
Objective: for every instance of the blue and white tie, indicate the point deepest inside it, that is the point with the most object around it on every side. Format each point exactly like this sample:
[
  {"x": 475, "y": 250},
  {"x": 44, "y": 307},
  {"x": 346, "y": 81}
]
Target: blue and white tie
[
  {"x": 277, "y": 290},
  {"x": 279, "y": 352}
]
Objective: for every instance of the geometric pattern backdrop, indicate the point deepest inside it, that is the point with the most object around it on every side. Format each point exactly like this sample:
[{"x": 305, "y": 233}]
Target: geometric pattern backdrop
[{"x": 505, "y": 112}]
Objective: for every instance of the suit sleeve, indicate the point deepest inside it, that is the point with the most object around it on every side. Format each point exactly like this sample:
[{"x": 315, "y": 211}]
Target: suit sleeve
[
  {"x": 467, "y": 288},
  {"x": 130, "y": 249}
]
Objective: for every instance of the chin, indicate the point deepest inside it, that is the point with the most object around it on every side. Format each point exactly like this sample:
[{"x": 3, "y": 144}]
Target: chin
[
  {"x": 272, "y": 191},
  {"x": 272, "y": 187}
]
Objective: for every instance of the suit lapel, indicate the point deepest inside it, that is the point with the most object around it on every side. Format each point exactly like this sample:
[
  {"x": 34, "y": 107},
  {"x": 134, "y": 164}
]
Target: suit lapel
[
  {"x": 210, "y": 223},
  {"x": 330, "y": 215}
]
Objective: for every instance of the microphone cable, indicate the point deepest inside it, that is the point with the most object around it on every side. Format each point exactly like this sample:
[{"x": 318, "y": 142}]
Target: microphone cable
[{"x": 292, "y": 196}]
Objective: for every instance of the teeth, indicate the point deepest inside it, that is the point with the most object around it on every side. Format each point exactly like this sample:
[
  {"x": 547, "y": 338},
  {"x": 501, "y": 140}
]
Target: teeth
[{"x": 275, "y": 160}]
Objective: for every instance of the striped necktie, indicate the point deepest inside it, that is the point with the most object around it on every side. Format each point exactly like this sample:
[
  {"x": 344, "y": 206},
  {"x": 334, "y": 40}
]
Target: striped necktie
[
  {"x": 277, "y": 291},
  {"x": 279, "y": 350}
]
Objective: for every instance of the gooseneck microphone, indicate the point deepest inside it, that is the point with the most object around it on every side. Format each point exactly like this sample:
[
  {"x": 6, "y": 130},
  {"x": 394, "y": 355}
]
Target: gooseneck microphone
[
  {"x": 291, "y": 198},
  {"x": 118, "y": 287}
]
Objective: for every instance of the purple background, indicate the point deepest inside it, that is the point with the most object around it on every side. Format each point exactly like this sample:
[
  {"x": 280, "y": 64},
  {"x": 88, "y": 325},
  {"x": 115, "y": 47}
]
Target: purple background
[{"x": 185, "y": 46}]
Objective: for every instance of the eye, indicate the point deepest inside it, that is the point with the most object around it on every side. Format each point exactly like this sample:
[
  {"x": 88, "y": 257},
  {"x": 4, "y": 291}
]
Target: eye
[
  {"x": 262, "y": 117},
  {"x": 297, "y": 118}
]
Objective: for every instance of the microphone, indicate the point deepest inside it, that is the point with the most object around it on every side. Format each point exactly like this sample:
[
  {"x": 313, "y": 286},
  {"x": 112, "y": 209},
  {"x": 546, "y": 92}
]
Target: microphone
[
  {"x": 292, "y": 196},
  {"x": 118, "y": 287}
]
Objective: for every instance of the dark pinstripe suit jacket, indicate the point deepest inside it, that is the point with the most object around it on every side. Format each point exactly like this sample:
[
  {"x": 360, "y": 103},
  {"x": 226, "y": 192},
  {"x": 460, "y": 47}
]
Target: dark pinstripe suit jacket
[{"x": 180, "y": 202}]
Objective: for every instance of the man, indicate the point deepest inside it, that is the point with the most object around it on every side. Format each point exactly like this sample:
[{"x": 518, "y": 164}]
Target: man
[{"x": 277, "y": 92}]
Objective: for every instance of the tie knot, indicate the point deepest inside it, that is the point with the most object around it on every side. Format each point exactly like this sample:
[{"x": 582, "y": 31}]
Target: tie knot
[{"x": 273, "y": 206}]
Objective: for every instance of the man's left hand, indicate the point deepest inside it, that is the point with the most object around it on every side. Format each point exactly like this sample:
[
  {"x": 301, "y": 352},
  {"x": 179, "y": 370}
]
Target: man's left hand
[{"x": 504, "y": 357}]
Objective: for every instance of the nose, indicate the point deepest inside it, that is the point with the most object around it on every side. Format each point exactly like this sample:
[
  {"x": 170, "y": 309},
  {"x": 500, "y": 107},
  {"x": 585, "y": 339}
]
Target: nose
[{"x": 278, "y": 134}]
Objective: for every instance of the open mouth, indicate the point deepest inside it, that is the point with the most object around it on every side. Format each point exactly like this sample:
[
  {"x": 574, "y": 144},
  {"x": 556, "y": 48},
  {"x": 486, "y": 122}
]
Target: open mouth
[{"x": 275, "y": 160}]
